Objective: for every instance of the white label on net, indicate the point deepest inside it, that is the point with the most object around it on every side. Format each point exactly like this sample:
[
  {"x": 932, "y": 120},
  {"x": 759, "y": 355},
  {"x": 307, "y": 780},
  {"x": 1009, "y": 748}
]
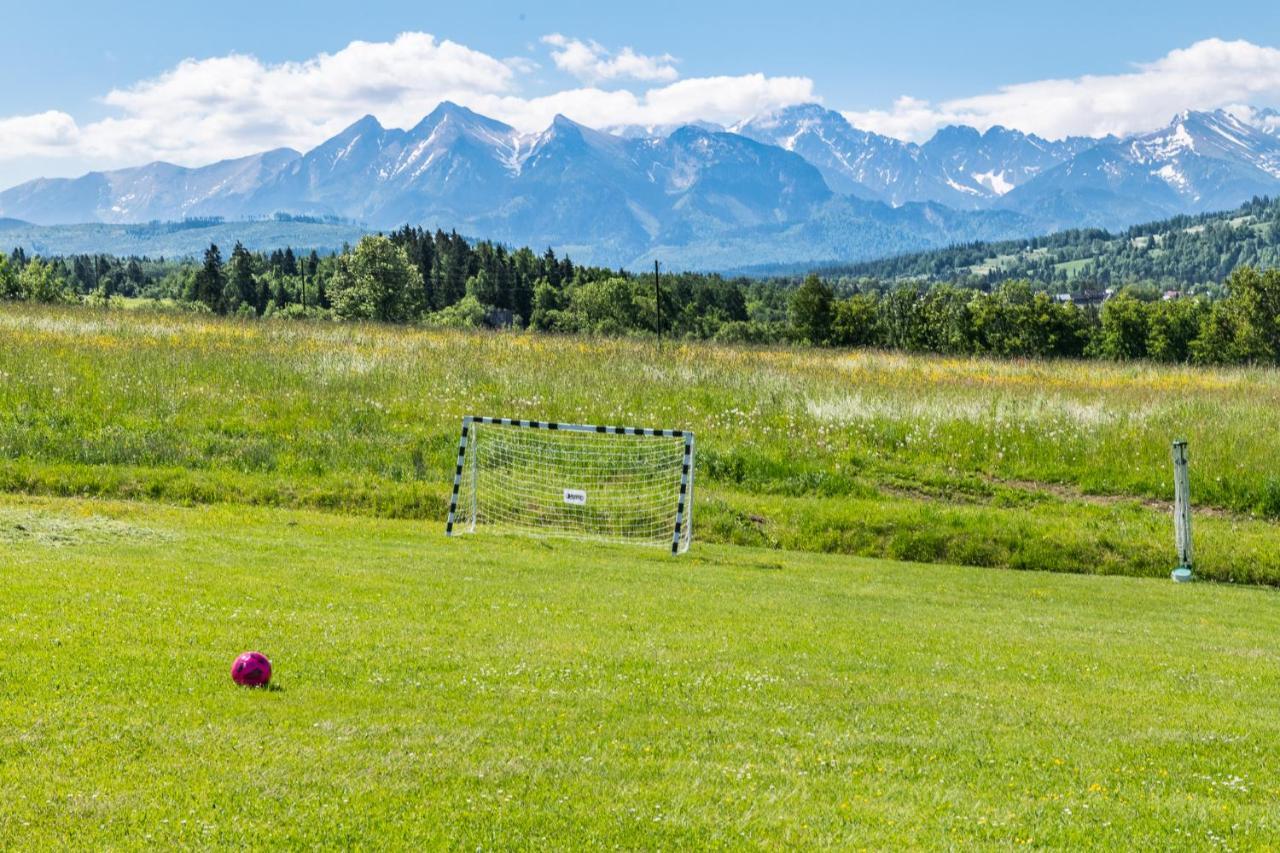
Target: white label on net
[{"x": 577, "y": 497}]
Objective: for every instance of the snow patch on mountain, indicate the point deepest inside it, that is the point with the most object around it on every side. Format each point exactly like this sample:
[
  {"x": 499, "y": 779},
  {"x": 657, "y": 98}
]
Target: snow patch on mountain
[
  {"x": 994, "y": 181},
  {"x": 1170, "y": 174},
  {"x": 959, "y": 187}
]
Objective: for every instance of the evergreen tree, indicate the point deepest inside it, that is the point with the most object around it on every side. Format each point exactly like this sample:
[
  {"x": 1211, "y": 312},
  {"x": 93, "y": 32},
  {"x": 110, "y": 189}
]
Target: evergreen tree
[
  {"x": 456, "y": 261},
  {"x": 209, "y": 282},
  {"x": 134, "y": 272},
  {"x": 241, "y": 288},
  {"x": 82, "y": 274}
]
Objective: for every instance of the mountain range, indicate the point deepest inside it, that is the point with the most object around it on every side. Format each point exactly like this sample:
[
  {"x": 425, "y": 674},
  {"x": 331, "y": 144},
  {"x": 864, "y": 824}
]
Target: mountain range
[
  {"x": 798, "y": 185},
  {"x": 959, "y": 166},
  {"x": 1200, "y": 161}
]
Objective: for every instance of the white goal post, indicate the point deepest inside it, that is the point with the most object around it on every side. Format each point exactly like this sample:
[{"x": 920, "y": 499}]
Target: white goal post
[{"x": 606, "y": 483}]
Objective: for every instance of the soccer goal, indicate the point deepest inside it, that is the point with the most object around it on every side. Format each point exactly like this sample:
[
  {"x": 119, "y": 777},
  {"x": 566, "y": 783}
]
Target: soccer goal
[{"x": 607, "y": 483}]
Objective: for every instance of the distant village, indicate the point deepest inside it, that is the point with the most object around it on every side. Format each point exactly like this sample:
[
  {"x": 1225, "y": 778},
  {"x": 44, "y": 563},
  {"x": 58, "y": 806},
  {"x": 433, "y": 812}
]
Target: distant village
[{"x": 1087, "y": 298}]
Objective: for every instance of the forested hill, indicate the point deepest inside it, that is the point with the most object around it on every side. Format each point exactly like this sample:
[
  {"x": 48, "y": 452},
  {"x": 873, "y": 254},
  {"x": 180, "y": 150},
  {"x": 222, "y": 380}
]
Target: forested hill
[{"x": 1182, "y": 252}]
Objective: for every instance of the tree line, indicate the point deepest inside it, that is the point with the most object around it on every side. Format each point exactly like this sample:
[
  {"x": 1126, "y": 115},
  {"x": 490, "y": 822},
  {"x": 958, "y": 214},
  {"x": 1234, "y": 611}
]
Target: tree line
[
  {"x": 1016, "y": 320},
  {"x": 440, "y": 279},
  {"x": 415, "y": 276}
]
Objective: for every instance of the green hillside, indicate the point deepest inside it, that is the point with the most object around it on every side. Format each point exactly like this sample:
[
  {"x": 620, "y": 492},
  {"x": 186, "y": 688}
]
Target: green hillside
[{"x": 1186, "y": 252}]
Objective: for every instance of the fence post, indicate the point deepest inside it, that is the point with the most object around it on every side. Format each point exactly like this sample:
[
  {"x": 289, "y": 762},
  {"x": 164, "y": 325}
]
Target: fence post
[{"x": 1181, "y": 505}]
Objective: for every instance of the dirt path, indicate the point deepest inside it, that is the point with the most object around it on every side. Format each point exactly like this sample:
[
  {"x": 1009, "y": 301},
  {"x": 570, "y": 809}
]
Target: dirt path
[{"x": 1059, "y": 491}]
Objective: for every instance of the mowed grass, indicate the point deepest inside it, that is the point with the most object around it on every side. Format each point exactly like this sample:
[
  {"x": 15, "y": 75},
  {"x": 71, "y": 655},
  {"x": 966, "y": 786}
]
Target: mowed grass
[
  {"x": 1046, "y": 465},
  {"x": 482, "y": 692}
]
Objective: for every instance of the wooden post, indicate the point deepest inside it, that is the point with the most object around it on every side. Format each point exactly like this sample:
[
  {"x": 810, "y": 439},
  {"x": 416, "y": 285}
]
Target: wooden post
[{"x": 1181, "y": 505}]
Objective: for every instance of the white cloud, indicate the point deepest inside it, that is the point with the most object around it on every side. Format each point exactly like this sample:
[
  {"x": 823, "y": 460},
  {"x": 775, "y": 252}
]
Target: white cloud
[
  {"x": 521, "y": 64},
  {"x": 236, "y": 104},
  {"x": 591, "y": 63},
  {"x": 717, "y": 99},
  {"x": 203, "y": 110},
  {"x": 1267, "y": 120},
  {"x": 48, "y": 133},
  {"x": 1207, "y": 75},
  {"x": 910, "y": 118}
]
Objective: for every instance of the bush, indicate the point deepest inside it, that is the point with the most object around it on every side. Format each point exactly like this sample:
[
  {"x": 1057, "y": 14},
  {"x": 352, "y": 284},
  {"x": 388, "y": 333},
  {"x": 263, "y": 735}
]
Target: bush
[
  {"x": 466, "y": 314},
  {"x": 40, "y": 282},
  {"x": 744, "y": 332}
]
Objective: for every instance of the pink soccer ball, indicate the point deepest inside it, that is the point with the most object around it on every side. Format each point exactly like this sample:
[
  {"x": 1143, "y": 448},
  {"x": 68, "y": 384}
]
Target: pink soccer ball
[{"x": 251, "y": 669}]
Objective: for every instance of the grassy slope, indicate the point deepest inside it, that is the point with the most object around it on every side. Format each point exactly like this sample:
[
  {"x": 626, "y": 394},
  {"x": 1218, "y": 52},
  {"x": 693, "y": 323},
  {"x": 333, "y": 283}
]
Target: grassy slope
[
  {"x": 1035, "y": 465},
  {"x": 483, "y": 691},
  {"x": 1112, "y": 256}
]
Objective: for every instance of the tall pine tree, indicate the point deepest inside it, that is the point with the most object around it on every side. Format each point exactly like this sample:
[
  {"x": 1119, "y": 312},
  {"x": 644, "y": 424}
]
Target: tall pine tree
[{"x": 209, "y": 282}]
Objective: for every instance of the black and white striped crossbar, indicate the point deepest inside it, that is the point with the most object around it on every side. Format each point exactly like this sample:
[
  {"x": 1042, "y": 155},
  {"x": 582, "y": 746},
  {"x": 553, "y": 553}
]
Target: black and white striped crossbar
[{"x": 614, "y": 430}]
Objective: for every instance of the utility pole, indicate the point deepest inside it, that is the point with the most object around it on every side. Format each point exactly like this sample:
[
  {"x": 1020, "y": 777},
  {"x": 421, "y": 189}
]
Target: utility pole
[{"x": 657, "y": 302}]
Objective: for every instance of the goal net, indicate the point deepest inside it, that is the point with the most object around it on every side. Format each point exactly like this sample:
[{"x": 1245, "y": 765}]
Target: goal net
[{"x": 612, "y": 484}]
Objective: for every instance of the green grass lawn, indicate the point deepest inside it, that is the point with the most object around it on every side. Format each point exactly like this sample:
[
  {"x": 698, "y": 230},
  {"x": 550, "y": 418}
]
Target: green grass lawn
[
  {"x": 493, "y": 692},
  {"x": 1048, "y": 465}
]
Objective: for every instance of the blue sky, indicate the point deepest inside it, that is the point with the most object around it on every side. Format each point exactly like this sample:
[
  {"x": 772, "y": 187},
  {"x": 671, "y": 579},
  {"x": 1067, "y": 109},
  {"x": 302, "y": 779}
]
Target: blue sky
[{"x": 103, "y": 85}]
